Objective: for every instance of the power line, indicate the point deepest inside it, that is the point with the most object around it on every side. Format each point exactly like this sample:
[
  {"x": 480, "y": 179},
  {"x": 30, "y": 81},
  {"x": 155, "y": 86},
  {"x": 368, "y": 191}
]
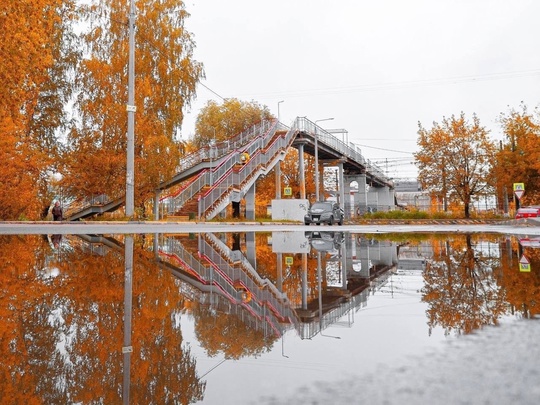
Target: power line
[
  {"x": 387, "y": 150},
  {"x": 402, "y": 84},
  {"x": 209, "y": 89}
]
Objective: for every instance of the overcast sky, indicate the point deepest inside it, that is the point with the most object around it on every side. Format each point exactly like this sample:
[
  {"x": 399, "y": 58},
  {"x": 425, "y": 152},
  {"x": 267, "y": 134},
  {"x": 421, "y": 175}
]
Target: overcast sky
[{"x": 376, "y": 67}]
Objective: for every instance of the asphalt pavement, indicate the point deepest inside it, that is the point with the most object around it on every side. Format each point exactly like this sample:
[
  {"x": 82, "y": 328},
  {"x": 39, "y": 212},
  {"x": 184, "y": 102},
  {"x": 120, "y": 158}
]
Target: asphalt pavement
[{"x": 512, "y": 227}]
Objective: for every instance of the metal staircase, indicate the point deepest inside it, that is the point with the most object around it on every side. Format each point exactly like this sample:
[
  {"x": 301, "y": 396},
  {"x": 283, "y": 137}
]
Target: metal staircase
[
  {"x": 214, "y": 188},
  {"x": 215, "y": 176}
]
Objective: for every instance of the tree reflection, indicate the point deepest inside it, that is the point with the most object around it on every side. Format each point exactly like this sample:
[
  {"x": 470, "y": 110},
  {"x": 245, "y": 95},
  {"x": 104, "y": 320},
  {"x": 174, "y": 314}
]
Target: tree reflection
[
  {"x": 61, "y": 327},
  {"x": 229, "y": 333},
  {"x": 522, "y": 289},
  {"x": 460, "y": 286}
]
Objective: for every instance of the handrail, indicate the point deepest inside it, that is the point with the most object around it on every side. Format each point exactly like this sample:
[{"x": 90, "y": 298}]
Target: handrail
[
  {"x": 343, "y": 148},
  {"x": 78, "y": 205},
  {"x": 261, "y": 157},
  {"x": 248, "y": 141}
]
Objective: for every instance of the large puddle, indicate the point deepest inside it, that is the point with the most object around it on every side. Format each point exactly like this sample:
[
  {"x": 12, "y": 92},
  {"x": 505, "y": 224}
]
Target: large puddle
[{"x": 233, "y": 317}]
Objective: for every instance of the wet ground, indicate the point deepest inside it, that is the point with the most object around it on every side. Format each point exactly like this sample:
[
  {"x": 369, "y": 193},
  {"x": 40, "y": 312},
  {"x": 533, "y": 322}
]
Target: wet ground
[{"x": 269, "y": 313}]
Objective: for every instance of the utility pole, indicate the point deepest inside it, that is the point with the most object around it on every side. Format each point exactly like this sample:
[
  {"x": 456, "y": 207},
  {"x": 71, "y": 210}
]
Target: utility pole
[{"x": 130, "y": 163}]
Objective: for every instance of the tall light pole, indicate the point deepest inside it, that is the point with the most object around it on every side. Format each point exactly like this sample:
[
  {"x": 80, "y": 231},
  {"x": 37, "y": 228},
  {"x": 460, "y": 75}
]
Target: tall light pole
[
  {"x": 317, "y": 158},
  {"x": 211, "y": 150},
  {"x": 130, "y": 159},
  {"x": 279, "y": 102}
]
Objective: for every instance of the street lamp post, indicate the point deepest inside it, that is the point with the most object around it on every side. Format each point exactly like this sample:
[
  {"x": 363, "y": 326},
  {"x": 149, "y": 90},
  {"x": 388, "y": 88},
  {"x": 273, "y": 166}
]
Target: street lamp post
[
  {"x": 211, "y": 150},
  {"x": 130, "y": 146},
  {"x": 317, "y": 158}
]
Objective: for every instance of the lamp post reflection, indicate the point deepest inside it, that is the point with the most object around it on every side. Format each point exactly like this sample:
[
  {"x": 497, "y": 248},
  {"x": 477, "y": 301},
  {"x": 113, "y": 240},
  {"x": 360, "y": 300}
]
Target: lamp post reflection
[
  {"x": 283, "y": 345},
  {"x": 127, "y": 349}
]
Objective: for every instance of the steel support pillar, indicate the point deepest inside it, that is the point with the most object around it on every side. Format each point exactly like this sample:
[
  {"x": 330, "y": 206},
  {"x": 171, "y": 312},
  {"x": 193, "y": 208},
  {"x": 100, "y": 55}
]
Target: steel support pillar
[{"x": 250, "y": 203}]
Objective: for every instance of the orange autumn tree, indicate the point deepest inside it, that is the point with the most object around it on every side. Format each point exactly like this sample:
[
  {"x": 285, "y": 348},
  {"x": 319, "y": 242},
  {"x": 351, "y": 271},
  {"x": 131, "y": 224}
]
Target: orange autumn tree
[
  {"x": 37, "y": 57},
  {"x": 518, "y": 159},
  {"x": 221, "y": 122},
  {"x": 454, "y": 160},
  {"x": 165, "y": 83}
]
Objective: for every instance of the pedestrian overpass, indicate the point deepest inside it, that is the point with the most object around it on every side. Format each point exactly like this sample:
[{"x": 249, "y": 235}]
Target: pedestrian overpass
[{"x": 224, "y": 174}]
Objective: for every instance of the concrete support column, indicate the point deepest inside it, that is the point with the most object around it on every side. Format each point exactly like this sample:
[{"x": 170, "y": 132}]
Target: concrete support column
[
  {"x": 372, "y": 200},
  {"x": 388, "y": 253},
  {"x": 360, "y": 198},
  {"x": 383, "y": 198},
  {"x": 250, "y": 203},
  {"x": 344, "y": 203},
  {"x": 302, "y": 170},
  {"x": 392, "y": 198},
  {"x": 304, "y": 281},
  {"x": 343, "y": 263},
  {"x": 251, "y": 253},
  {"x": 278, "y": 179},
  {"x": 279, "y": 259}
]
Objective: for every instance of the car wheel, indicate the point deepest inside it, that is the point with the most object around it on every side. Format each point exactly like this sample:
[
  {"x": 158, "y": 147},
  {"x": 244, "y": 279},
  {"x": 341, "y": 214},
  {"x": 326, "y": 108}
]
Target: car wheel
[
  {"x": 306, "y": 223},
  {"x": 331, "y": 221},
  {"x": 340, "y": 221}
]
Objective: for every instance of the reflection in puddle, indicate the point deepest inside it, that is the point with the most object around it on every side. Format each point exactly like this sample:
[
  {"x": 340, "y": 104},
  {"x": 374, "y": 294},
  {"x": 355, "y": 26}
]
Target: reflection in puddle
[{"x": 84, "y": 315}]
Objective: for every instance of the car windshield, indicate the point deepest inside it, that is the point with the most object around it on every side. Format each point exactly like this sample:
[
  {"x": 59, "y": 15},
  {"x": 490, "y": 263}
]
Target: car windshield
[{"x": 321, "y": 206}]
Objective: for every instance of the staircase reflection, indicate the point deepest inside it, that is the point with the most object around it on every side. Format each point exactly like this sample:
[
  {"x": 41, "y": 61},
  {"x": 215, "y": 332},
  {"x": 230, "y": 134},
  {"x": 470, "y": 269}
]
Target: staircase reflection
[
  {"x": 338, "y": 273},
  {"x": 223, "y": 272}
]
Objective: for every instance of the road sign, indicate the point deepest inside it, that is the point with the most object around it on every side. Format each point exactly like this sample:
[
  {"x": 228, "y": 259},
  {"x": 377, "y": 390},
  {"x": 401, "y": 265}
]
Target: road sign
[
  {"x": 519, "y": 189},
  {"x": 524, "y": 264},
  {"x": 289, "y": 260},
  {"x": 287, "y": 191}
]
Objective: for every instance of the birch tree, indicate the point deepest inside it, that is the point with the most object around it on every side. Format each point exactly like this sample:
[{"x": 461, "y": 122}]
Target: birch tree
[{"x": 165, "y": 83}]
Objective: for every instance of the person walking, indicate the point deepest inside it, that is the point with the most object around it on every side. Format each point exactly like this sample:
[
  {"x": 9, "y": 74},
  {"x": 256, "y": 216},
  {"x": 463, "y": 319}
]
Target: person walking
[{"x": 57, "y": 211}]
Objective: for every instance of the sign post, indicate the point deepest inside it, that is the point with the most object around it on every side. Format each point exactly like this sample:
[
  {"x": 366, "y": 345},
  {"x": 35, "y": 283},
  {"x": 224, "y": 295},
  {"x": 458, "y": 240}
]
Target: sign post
[
  {"x": 519, "y": 190},
  {"x": 524, "y": 264}
]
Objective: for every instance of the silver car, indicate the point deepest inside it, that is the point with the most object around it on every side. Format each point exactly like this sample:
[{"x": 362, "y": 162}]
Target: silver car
[{"x": 327, "y": 212}]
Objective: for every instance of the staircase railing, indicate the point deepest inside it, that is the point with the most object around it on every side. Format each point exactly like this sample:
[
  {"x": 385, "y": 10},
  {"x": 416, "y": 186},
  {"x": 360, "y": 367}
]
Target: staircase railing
[
  {"x": 343, "y": 148},
  {"x": 248, "y": 141},
  {"x": 77, "y": 206},
  {"x": 234, "y": 179}
]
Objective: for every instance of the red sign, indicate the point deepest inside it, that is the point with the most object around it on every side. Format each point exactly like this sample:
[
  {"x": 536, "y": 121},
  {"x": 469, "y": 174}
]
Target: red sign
[
  {"x": 519, "y": 193},
  {"x": 524, "y": 260}
]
